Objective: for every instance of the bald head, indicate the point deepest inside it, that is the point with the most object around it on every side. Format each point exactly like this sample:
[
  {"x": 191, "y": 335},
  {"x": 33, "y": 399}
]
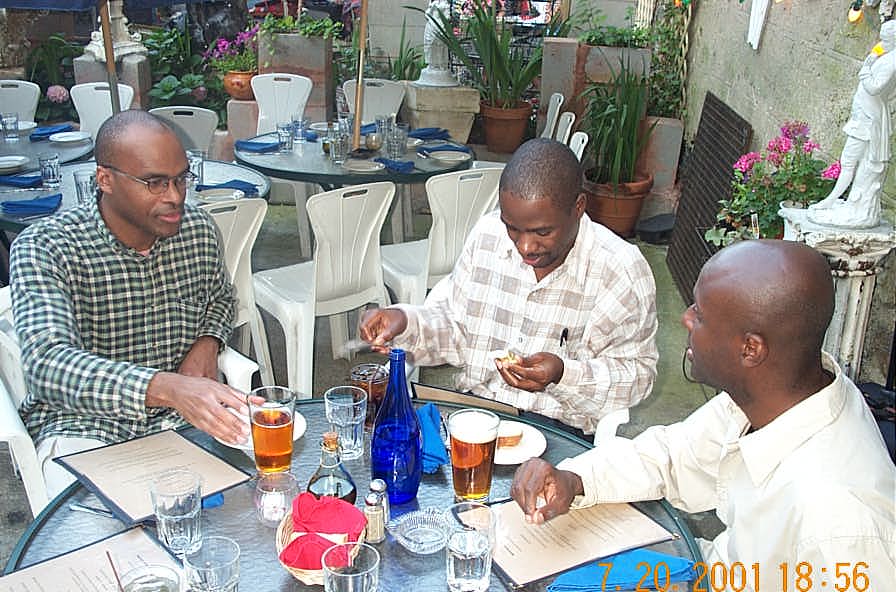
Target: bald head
[
  {"x": 114, "y": 130},
  {"x": 543, "y": 168}
]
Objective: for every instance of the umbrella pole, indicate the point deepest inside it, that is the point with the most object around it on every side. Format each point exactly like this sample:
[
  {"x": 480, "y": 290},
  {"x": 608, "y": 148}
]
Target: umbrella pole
[
  {"x": 359, "y": 93},
  {"x": 110, "y": 56}
]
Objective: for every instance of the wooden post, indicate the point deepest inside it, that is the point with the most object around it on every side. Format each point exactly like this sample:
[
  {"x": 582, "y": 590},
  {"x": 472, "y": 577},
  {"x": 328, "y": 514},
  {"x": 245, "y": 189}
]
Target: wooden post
[
  {"x": 359, "y": 93},
  {"x": 110, "y": 56}
]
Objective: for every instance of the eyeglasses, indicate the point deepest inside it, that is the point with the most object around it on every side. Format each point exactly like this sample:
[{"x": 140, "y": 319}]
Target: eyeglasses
[{"x": 157, "y": 185}]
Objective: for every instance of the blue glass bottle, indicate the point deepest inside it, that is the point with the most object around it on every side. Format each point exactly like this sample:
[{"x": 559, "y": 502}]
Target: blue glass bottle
[{"x": 396, "y": 451}]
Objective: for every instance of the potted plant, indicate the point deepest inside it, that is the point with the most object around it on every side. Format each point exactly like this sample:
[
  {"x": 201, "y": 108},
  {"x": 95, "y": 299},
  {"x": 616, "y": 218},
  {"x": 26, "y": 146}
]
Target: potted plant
[
  {"x": 786, "y": 171},
  {"x": 614, "y": 187},
  {"x": 237, "y": 62}
]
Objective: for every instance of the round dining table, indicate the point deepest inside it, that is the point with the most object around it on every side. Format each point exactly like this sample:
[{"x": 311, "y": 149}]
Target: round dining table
[
  {"x": 67, "y": 151},
  {"x": 58, "y": 530}
]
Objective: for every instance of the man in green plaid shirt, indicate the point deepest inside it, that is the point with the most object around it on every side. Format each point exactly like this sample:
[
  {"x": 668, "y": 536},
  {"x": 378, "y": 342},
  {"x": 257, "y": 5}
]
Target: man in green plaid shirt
[{"x": 122, "y": 306}]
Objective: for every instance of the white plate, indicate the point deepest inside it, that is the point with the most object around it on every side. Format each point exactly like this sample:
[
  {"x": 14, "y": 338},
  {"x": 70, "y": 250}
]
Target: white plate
[
  {"x": 363, "y": 166},
  {"x": 299, "y": 425},
  {"x": 220, "y": 194},
  {"x": 450, "y": 156},
  {"x": 12, "y": 163},
  {"x": 533, "y": 443},
  {"x": 319, "y": 126},
  {"x": 70, "y": 137},
  {"x": 412, "y": 142},
  {"x": 25, "y": 127}
]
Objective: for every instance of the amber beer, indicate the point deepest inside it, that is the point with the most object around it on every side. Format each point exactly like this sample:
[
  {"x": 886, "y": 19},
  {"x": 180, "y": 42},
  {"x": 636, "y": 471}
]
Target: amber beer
[
  {"x": 271, "y": 410},
  {"x": 474, "y": 436}
]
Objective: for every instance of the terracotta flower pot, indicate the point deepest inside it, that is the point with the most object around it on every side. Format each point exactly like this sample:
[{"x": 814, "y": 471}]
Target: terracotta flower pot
[
  {"x": 238, "y": 85},
  {"x": 505, "y": 128},
  {"x": 617, "y": 207}
]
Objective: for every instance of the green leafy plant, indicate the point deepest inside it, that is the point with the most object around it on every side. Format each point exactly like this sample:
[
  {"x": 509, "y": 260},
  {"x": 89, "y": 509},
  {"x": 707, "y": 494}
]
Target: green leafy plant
[
  {"x": 304, "y": 25},
  {"x": 409, "y": 62},
  {"x": 241, "y": 54},
  {"x": 170, "y": 52},
  {"x": 171, "y": 90},
  {"x": 666, "y": 99},
  {"x": 49, "y": 65},
  {"x": 593, "y": 32}
]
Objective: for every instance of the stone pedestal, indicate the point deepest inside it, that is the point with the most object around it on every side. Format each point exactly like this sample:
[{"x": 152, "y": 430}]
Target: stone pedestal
[
  {"x": 855, "y": 256},
  {"x": 291, "y": 53},
  {"x": 452, "y": 108},
  {"x": 242, "y": 119},
  {"x": 132, "y": 70}
]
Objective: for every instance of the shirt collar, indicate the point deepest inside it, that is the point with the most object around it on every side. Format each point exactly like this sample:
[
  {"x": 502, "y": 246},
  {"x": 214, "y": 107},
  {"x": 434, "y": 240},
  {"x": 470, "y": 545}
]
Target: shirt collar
[{"x": 113, "y": 241}]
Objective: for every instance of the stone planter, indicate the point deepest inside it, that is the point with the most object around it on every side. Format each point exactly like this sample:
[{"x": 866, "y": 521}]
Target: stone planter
[
  {"x": 238, "y": 84},
  {"x": 292, "y": 53}
]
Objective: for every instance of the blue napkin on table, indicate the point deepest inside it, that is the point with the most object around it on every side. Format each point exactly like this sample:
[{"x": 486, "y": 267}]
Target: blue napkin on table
[
  {"x": 31, "y": 207},
  {"x": 397, "y": 166},
  {"x": 368, "y": 128},
  {"x": 257, "y": 146},
  {"x": 624, "y": 572},
  {"x": 247, "y": 188},
  {"x": 434, "y": 453},
  {"x": 44, "y": 132},
  {"x": 425, "y": 150},
  {"x": 310, "y": 136},
  {"x": 21, "y": 180},
  {"x": 429, "y": 133}
]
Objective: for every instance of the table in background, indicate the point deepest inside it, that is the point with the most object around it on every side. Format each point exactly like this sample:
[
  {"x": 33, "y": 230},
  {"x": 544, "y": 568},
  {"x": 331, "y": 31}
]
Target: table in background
[
  {"x": 58, "y": 530},
  {"x": 67, "y": 151}
]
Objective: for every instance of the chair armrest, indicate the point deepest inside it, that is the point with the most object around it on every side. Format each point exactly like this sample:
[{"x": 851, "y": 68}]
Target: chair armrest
[
  {"x": 13, "y": 432},
  {"x": 237, "y": 369}
]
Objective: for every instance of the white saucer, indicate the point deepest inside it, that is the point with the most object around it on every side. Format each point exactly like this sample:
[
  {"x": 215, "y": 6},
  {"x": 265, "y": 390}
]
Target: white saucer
[
  {"x": 414, "y": 142},
  {"x": 363, "y": 166},
  {"x": 70, "y": 137},
  {"x": 12, "y": 163},
  {"x": 450, "y": 156},
  {"x": 218, "y": 194},
  {"x": 299, "y": 425},
  {"x": 533, "y": 443},
  {"x": 319, "y": 126},
  {"x": 25, "y": 127}
]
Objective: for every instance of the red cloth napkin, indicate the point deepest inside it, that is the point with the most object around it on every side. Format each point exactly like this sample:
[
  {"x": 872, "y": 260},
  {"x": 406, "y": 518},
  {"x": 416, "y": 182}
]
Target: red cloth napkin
[
  {"x": 305, "y": 551},
  {"x": 311, "y": 516}
]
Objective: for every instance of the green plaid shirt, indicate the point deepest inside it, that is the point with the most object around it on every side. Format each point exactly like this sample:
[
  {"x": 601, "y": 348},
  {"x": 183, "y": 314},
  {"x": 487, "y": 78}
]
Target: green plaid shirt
[{"x": 96, "y": 320}]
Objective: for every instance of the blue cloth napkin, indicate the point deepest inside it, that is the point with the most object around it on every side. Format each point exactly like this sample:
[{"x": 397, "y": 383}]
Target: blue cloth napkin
[
  {"x": 624, "y": 572},
  {"x": 368, "y": 128},
  {"x": 310, "y": 136},
  {"x": 31, "y": 207},
  {"x": 443, "y": 147},
  {"x": 257, "y": 146},
  {"x": 247, "y": 188},
  {"x": 397, "y": 166},
  {"x": 21, "y": 180},
  {"x": 429, "y": 133},
  {"x": 44, "y": 132},
  {"x": 434, "y": 453},
  {"x": 213, "y": 501}
]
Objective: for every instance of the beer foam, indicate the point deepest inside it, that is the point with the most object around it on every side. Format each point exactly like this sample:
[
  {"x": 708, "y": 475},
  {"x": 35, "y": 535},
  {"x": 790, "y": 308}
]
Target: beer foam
[{"x": 473, "y": 427}]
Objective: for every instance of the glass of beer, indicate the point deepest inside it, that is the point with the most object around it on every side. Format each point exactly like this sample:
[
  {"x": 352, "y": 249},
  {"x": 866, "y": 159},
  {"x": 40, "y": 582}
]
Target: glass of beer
[
  {"x": 271, "y": 410},
  {"x": 474, "y": 436},
  {"x": 373, "y": 378}
]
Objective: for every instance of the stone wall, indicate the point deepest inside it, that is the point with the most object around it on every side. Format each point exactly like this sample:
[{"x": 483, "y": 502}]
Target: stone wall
[{"x": 384, "y": 24}]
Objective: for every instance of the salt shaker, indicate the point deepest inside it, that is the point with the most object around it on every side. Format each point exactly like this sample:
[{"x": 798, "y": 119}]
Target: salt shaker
[
  {"x": 378, "y": 486},
  {"x": 376, "y": 523}
]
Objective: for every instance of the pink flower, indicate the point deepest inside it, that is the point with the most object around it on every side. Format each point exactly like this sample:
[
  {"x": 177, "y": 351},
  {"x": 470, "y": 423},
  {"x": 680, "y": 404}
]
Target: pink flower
[
  {"x": 795, "y": 130},
  {"x": 57, "y": 94},
  {"x": 832, "y": 172},
  {"x": 781, "y": 145},
  {"x": 745, "y": 163},
  {"x": 199, "y": 93},
  {"x": 810, "y": 146}
]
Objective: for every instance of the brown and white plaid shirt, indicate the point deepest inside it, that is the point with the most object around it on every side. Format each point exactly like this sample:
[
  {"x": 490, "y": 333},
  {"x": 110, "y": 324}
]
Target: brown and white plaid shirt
[{"x": 602, "y": 297}]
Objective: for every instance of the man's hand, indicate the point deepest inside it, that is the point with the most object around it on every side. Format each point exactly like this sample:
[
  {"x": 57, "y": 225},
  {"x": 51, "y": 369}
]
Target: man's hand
[
  {"x": 202, "y": 359},
  {"x": 203, "y": 402},
  {"x": 532, "y": 373},
  {"x": 537, "y": 478},
  {"x": 380, "y": 326}
]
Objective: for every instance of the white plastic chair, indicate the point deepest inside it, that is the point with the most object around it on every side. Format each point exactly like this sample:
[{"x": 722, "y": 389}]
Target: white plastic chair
[
  {"x": 608, "y": 424},
  {"x": 239, "y": 221},
  {"x": 487, "y": 164},
  {"x": 19, "y": 96},
  {"x": 457, "y": 201},
  {"x": 194, "y": 126},
  {"x": 577, "y": 144},
  {"x": 381, "y": 97},
  {"x": 94, "y": 103},
  {"x": 564, "y": 126},
  {"x": 554, "y": 104},
  {"x": 344, "y": 274},
  {"x": 279, "y": 96}
]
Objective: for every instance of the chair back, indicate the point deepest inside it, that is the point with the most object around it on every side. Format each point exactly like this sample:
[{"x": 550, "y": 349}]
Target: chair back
[
  {"x": 94, "y": 104},
  {"x": 550, "y": 122},
  {"x": 194, "y": 126},
  {"x": 381, "y": 97},
  {"x": 346, "y": 224},
  {"x": 11, "y": 371},
  {"x": 564, "y": 126},
  {"x": 278, "y": 96},
  {"x": 577, "y": 144},
  {"x": 457, "y": 201},
  {"x": 20, "y": 96}
]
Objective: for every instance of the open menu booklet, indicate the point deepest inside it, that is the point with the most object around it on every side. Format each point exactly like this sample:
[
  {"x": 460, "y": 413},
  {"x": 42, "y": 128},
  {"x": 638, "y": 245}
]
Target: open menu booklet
[
  {"x": 122, "y": 474},
  {"x": 529, "y": 552}
]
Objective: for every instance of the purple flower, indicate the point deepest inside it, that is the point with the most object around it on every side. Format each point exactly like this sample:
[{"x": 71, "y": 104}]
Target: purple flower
[
  {"x": 795, "y": 130},
  {"x": 832, "y": 172},
  {"x": 57, "y": 93},
  {"x": 199, "y": 93}
]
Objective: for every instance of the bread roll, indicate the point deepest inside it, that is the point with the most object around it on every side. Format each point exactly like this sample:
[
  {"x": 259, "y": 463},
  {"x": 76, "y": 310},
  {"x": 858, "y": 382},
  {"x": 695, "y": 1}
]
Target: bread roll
[{"x": 509, "y": 434}]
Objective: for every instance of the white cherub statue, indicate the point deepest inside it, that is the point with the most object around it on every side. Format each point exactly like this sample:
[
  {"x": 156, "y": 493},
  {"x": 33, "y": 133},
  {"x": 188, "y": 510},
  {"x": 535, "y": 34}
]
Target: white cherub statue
[
  {"x": 435, "y": 52},
  {"x": 866, "y": 152}
]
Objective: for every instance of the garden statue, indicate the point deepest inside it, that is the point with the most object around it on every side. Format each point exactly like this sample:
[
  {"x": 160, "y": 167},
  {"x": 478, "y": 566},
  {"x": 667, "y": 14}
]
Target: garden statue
[
  {"x": 435, "y": 52},
  {"x": 866, "y": 152}
]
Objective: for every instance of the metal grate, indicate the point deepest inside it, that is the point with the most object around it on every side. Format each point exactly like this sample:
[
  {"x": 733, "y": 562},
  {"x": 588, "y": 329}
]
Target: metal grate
[{"x": 722, "y": 137}]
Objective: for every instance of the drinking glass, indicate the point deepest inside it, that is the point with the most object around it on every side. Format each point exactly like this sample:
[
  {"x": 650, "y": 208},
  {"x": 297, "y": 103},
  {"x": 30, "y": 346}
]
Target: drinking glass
[
  {"x": 373, "y": 378},
  {"x": 299, "y": 127},
  {"x": 351, "y": 567},
  {"x": 177, "y": 503},
  {"x": 471, "y": 537},
  {"x": 474, "y": 436},
  {"x": 214, "y": 566},
  {"x": 346, "y": 124},
  {"x": 339, "y": 147},
  {"x": 346, "y": 408},
  {"x": 50, "y": 171},
  {"x": 271, "y": 410},
  {"x": 397, "y": 140},
  {"x": 196, "y": 159},
  {"x": 383, "y": 123},
  {"x": 10, "y": 126},
  {"x": 274, "y": 493},
  {"x": 85, "y": 186},
  {"x": 151, "y": 578},
  {"x": 284, "y": 136}
]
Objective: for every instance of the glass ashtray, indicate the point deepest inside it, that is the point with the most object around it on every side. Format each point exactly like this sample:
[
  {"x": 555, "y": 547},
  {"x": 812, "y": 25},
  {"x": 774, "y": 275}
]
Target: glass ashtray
[{"x": 421, "y": 532}]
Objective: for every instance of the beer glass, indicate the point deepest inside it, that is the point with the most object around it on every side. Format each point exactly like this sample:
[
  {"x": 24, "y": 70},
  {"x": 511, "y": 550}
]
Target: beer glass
[
  {"x": 471, "y": 538},
  {"x": 474, "y": 436},
  {"x": 177, "y": 503},
  {"x": 271, "y": 411},
  {"x": 373, "y": 378}
]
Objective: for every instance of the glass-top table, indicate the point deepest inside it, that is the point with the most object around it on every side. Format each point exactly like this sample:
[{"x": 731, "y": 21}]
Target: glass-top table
[{"x": 67, "y": 151}]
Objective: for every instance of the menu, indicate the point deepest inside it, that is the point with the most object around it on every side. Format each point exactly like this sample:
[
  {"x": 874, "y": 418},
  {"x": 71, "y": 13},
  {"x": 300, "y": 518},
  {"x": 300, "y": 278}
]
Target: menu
[{"x": 121, "y": 474}]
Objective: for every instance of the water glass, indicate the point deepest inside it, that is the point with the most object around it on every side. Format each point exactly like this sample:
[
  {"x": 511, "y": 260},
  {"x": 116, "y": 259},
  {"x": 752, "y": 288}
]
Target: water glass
[
  {"x": 10, "y": 126},
  {"x": 300, "y": 125},
  {"x": 85, "y": 186},
  {"x": 346, "y": 124},
  {"x": 474, "y": 436},
  {"x": 351, "y": 567},
  {"x": 50, "y": 171},
  {"x": 383, "y": 124},
  {"x": 274, "y": 493},
  {"x": 177, "y": 503},
  {"x": 339, "y": 147},
  {"x": 346, "y": 408},
  {"x": 471, "y": 538},
  {"x": 284, "y": 136},
  {"x": 196, "y": 159},
  {"x": 397, "y": 140},
  {"x": 214, "y": 566},
  {"x": 373, "y": 378},
  {"x": 271, "y": 410},
  {"x": 151, "y": 578}
]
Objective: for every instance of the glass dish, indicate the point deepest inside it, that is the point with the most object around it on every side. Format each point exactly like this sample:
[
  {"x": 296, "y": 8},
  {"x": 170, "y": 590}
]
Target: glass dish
[{"x": 421, "y": 532}]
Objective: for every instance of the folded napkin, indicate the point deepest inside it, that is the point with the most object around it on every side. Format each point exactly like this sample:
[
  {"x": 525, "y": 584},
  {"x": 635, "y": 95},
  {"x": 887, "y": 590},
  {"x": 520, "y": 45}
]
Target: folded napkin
[
  {"x": 32, "y": 207},
  {"x": 429, "y": 133},
  {"x": 32, "y": 180},
  {"x": 425, "y": 150},
  {"x": 368, "y": 128},
  {"x": 624, "y": 572},
  {"x": 397, "y": 166},
  {"x": 257, "y": 146},
  {"x": 247, "y": 188},
  {"x": 213, "y": 501},
  {"x": 315, "y": 520},
  {"x": 434, "y": 453},
  {"x": 310, "y": 136},
  {"x": 305, "y": 552},
  {"x": 44, "y": 132}
]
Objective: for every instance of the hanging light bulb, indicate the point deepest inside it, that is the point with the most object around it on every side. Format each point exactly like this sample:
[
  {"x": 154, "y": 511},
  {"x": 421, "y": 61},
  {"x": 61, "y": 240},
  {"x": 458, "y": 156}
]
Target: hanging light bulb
[{"x": 855, "y": 13}]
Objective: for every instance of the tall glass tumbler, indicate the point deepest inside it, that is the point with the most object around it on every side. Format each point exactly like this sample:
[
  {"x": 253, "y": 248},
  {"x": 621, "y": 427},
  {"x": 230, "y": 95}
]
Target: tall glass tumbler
[
  {"x": 271, "y": 409},
  {"x": 346, "y": 409},
  {"x": 471, "y": 539},
  {"x": 474, "y": 437},
  {"x": 177, "y": 502}
]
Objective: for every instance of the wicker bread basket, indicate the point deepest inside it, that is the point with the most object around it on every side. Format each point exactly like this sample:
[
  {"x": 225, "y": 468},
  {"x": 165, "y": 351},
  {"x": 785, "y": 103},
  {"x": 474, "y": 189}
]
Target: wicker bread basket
[{"x": 310, "y": 577}]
